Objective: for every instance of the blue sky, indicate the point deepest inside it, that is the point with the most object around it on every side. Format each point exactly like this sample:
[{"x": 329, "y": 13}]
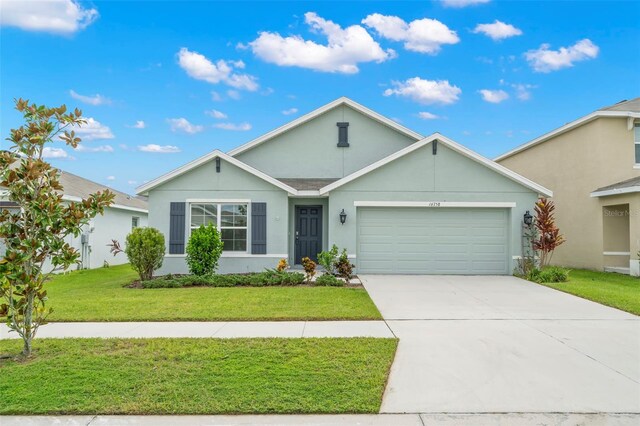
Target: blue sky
[{"x": 190, "y": 77}]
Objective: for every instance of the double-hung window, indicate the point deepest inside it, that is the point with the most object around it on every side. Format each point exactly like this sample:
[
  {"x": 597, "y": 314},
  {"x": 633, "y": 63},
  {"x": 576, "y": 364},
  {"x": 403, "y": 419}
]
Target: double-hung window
[
  {"x": 229, "y": 218},
  {"x": 636, "y": 138}
]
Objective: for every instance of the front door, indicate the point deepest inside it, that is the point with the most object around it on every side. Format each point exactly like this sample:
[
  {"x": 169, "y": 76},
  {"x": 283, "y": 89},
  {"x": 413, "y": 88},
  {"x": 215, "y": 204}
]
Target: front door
[{"x": 308, "y": 233}]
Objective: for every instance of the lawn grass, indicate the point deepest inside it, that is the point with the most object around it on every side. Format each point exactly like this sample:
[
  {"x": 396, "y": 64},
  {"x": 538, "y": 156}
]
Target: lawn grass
[
  {"x": 611, "y": 289},
  {"x": 196, "y": 376},
  {"x": 99, "y": 295}
]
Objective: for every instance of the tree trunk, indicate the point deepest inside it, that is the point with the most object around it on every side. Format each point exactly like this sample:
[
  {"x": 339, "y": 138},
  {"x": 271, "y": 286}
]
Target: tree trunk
[{"x": 27, "y": 335}]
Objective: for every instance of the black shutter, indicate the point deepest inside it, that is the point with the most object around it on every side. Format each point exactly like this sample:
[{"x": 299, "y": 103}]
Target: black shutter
[
  {"x": 258, "y": 228},
  {"x": 176, "y": 228},
  {"x": 343, "y": 134}
]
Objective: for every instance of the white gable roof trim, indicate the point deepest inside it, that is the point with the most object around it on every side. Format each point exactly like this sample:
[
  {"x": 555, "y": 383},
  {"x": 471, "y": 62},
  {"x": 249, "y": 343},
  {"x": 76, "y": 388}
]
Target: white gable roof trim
[
  {"x": 631, "y": 115},
  {"x": 313, "y": 114},
  {"x": 541, "y": 190},
  {"x": 144, "y": 189}
]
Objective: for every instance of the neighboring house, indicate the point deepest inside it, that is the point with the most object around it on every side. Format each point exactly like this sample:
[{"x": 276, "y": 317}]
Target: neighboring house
[
  {"x": 396, "y": 201},
  {"x": 592, "y": 165},
  {"x": 126, "y": 213}
]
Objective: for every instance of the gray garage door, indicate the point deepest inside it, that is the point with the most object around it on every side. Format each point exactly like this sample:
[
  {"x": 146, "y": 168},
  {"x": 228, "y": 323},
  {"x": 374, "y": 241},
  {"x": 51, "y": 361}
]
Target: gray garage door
[{"x": 402, "y": 240}]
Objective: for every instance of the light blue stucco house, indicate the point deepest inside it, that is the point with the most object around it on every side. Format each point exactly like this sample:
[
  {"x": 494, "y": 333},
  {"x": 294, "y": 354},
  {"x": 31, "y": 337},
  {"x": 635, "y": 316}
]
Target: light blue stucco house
[{"x": 343, "y": 174}]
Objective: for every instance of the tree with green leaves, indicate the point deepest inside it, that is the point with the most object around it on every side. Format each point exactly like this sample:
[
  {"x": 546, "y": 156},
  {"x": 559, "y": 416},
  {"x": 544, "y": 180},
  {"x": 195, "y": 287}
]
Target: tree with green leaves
[
  {"x": 204, "y": 249},
  {"x": 34, "y": 233}
]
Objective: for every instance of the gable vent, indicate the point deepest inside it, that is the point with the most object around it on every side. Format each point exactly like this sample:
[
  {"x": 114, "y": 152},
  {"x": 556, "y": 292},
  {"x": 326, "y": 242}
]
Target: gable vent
[{"x": 343, "y": 134}]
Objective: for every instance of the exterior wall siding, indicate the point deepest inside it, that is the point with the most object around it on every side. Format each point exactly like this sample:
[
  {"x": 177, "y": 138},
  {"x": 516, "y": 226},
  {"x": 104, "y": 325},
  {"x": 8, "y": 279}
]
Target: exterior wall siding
[
  {"x": 311, "y": 151},
  {"x": 573, "y": 165},
  {"x": 421, "y": 176},
  {"x": 232, "y": 183}
]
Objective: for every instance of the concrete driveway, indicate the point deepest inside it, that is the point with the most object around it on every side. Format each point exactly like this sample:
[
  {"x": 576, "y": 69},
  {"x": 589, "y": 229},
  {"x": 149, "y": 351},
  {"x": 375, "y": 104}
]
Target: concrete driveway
[{"x": 501, "y": 344}]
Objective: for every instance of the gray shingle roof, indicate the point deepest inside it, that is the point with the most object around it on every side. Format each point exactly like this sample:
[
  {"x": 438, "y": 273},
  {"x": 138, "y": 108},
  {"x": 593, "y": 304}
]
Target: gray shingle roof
[
  {"x": 632, "y": 105},
  {"x": 630, "y": 183},
  {"x": 307, "y": 184},
  {"x": 76, "y": 186}
]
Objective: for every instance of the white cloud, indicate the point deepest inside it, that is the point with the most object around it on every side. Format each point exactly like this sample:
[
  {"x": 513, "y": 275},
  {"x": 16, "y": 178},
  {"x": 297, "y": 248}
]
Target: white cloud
[
  {"x": 494, "y": 96},
  {"x": 462, "y": 3},
  {"x": 215, "y": 96},
  {"x": 139, "y": 125},
  {"x": 290, "y": 111},
  {"x": 92, "y": 130},
  {"x": 111, "y": 178},
  {"x": 182, "y": 124},
  {"x": 428, "y": 115},
  {"x": 523, "y": 91},
  {"x": 498, "y": 30},
  {"x": 91, "y": 100},
  {"x": 545, "y": 60},
  {"x": 422, "y": 35},
  {"x": 345, "y": 48},
  {"x": 242, "y": 127},
  {"x": 100, "y": 148},
  {"x": 199, "y": 67},
  {"x": 164, "y": 149},
  {"x": 425, "y": 91},
  {"x": 48, "y": 152},
  {"x": 132, "y": 182},
  {"x": 233, "y": 94},
  {"x": 55, "y": 16},
  {"x": 219, "y": 115}
]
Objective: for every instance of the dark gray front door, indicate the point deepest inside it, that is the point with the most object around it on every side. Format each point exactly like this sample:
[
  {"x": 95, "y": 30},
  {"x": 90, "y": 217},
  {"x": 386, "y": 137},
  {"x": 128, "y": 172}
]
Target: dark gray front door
[{"x": 308, "y": 232}]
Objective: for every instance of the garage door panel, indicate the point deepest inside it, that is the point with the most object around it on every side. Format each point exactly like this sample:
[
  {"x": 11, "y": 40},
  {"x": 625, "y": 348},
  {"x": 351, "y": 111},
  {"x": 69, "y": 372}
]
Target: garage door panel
[{"x": 432, "y": 241}]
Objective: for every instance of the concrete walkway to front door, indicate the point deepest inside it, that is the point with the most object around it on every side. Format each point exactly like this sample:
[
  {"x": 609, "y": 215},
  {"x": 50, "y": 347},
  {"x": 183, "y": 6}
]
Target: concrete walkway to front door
[{"x": 474, "y": 344}]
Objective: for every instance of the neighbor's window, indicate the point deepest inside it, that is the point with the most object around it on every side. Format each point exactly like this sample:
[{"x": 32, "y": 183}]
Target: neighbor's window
[
  {"x": 636, "y": 135},
  {"x": 135, "y": 222},
  {"x": 230, "y": 219}
]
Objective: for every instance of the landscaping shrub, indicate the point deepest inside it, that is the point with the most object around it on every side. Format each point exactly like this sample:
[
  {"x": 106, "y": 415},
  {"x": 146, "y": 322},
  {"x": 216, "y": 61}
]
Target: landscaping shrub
[
  {"x": 283, "y": 265},
  {"x": 203, "y": 250},
  {"x": 327, "y": 259},
  {"x": 145, "y": 251},
  {"x": 309, "y": 268},
  {"x": 329, "y": 280},
  {"x": 343, "y": 268},
  {"x": 259, "y": 279},
  {"x": 550, "y": 274}
]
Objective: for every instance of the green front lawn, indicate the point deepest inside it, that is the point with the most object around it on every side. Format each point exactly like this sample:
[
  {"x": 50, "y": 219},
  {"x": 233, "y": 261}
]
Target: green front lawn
[
  {"x": 611, "y": 289},
  {"x": 99, "y": 295},
  {"x": 196, "y": 376}
]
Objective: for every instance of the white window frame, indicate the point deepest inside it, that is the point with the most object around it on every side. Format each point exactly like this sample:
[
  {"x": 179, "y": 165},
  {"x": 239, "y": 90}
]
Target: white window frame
[
  {"x": 137, "y": 221},
  {"x": 219, "y": 202}
]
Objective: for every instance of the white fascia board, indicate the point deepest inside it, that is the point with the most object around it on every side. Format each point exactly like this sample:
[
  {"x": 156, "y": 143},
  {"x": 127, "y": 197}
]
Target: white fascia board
[
  {"x": 436, "y": 204},
  {"x": 541, "y": 190},
  {"x": 569, "y": 126},
  {"x": 377, "y": 164},
  {"x": 629, "y": 190},
  {"x": 112, "y": 206},
  {"x": 315, "y": 113},
  {"x": 143, "y": 189}
]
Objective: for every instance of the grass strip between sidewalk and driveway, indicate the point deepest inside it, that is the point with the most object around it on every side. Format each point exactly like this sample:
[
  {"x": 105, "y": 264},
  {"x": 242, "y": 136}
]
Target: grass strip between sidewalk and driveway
[
  {"x": 196, "y": 376},
  {"x": 99, "y": 295},
  {"x": 608, "y": 288}
]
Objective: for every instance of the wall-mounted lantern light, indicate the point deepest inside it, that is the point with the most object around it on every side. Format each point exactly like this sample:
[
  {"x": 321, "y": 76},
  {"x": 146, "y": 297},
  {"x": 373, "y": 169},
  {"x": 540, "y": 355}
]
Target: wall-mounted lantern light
[
  {"x": 343, "y": 217},
  {"x": 527, "y": 218}
]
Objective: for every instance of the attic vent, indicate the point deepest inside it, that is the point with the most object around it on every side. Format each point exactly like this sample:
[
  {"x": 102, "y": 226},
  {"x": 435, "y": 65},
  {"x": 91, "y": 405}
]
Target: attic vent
[{"x": 343, "y": 135}]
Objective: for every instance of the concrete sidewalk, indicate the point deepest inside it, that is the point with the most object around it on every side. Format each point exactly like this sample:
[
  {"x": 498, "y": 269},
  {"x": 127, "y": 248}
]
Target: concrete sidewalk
[
  {"x": 237, "y": 329},
  {"x": 470, "y": 419}
]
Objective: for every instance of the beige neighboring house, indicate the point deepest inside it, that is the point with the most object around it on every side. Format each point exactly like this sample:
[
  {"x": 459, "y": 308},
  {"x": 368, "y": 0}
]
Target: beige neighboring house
[{"x": 592, "y": 165}]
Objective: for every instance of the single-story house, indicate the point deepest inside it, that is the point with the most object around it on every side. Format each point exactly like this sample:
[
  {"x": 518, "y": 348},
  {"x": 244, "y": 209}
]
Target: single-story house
[
  {"x": 592, "y": 164},
  {"x": 398, "y": 202},
  {"x": 126, "y": 212}
]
